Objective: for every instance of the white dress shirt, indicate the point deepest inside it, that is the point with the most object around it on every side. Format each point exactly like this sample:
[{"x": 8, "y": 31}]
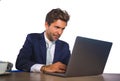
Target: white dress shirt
[{"x": 37, "y": 67}]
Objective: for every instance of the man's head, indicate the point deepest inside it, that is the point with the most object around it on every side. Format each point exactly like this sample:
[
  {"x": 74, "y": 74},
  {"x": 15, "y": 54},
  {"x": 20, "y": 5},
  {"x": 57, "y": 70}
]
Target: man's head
[{"x": 55, "y": 23}]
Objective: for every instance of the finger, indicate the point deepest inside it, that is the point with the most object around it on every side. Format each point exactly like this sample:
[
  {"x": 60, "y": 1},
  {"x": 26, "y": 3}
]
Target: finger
[{"x": 60, "y": 71}]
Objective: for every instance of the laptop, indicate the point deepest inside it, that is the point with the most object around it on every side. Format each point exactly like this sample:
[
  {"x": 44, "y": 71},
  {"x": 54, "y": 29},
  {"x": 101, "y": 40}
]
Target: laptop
[{"x": 89, "y": 57}]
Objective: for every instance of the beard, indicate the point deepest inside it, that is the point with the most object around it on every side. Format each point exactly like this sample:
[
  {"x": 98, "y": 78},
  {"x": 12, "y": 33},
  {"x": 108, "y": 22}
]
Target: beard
[{"x": 54, "y": 37}]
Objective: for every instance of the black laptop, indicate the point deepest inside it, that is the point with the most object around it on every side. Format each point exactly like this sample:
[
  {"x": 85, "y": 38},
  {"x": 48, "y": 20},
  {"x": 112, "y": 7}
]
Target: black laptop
[{"x": 89, "y": 57}]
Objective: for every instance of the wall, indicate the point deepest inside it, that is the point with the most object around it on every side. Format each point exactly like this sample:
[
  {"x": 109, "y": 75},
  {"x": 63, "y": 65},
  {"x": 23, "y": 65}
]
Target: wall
[{"x": 98, "y": 19}]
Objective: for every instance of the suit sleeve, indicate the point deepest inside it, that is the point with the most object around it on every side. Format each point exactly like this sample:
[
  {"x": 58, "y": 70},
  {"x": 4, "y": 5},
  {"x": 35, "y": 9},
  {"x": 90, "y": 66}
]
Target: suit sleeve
[
  {"x": 24, "y": 58},
  {"x": 62, "y": 52},
  {"x": 66, "y": 53}
]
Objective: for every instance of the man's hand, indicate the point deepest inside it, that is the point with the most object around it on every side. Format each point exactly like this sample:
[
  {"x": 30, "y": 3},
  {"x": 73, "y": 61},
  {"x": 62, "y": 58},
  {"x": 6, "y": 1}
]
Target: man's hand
[{"x": 56, "y": 67}]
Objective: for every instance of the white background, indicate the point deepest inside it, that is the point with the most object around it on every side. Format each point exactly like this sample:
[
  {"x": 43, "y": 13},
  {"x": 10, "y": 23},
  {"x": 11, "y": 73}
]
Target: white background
[{"x": 99, "y": 19}]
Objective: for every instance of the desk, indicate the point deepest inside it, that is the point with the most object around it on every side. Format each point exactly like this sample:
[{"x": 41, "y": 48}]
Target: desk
[{"x": 26, "y": 76}]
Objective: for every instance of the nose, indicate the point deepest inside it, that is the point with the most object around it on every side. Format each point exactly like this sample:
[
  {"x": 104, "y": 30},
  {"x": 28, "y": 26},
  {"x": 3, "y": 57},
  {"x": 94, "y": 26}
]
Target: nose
[{"x": 60, "y": 31}]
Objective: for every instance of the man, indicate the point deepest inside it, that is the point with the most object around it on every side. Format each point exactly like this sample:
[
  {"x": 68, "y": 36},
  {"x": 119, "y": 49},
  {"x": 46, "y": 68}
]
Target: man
[{"x": 35, "y": 55}]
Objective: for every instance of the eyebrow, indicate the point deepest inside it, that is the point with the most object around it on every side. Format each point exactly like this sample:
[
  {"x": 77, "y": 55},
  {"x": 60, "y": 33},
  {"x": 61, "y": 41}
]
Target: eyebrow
[{"x": 59, "y": 27}]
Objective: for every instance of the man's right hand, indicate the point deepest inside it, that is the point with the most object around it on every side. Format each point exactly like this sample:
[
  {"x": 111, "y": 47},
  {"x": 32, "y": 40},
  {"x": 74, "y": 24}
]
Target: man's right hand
[{"x": 56, "y": 67}]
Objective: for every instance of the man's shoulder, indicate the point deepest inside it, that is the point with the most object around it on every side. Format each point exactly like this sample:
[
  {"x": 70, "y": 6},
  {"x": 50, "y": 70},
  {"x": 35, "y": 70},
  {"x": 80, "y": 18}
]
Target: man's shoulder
[
  {"x": 62, "y": 42},
  {"x": 35, "y": 35}
]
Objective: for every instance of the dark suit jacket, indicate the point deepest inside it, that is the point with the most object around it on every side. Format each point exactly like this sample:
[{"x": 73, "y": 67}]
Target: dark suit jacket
[{"x": 34, "y": 51}]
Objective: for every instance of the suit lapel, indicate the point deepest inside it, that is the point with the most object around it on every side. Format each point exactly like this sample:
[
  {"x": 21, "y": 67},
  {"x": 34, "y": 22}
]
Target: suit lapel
[
  {"x": 57, "y": 54},
  {"x": 43, "y": 47}
]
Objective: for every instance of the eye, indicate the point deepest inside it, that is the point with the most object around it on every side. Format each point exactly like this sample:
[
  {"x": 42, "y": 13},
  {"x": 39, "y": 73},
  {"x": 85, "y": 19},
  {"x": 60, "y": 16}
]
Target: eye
[
  {"x": 57, "y": 27},
  {"x": 63, "y": 28}
]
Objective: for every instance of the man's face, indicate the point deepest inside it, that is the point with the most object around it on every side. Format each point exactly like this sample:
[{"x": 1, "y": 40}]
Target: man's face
[{"x": 55, "y": 29}]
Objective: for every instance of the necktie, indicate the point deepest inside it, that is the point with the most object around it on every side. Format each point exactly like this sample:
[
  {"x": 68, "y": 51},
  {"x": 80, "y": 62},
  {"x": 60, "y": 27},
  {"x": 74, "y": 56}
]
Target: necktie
[{"x": 49, "y": 56}]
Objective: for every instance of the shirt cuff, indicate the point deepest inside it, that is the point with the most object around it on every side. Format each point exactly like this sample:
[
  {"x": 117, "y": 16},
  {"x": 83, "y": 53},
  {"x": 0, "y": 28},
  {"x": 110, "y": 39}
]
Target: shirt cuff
[{"x": 36, "y": 68}]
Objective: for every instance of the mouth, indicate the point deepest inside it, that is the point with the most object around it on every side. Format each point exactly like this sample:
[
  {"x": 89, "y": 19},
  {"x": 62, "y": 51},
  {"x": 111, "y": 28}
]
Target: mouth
[{"x": 56, "y": 37}]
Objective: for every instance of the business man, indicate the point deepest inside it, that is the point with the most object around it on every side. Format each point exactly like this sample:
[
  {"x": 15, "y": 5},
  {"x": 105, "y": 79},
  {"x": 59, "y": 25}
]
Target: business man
[{"x": 44, "y": 52}]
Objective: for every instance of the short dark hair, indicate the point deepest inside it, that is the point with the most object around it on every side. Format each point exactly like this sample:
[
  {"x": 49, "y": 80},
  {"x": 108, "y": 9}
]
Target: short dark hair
[{"x": 56, "y": 14}]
